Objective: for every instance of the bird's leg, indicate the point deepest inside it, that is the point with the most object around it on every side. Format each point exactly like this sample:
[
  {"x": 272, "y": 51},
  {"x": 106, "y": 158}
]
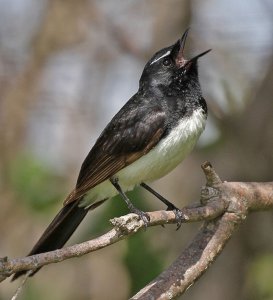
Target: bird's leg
[
  {"x": 143, "y": 216},
  {"x": 178, "y": 213}
]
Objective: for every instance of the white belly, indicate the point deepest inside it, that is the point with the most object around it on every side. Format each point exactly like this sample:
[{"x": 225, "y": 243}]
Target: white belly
[{"x": 168, "y": 153}]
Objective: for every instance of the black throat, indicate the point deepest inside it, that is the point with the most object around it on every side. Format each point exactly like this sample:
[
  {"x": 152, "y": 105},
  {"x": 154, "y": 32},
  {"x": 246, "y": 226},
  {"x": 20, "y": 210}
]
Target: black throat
[{"x": 179, "y": 99}]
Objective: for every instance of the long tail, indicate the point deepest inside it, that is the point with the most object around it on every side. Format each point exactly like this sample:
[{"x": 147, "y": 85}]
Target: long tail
[{"x": 59, "y": 230}]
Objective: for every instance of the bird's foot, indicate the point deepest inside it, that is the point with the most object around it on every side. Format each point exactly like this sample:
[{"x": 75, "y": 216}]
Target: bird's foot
[
  {"x": 179, "y": 216},
  {"x": 142, "y": 215}
]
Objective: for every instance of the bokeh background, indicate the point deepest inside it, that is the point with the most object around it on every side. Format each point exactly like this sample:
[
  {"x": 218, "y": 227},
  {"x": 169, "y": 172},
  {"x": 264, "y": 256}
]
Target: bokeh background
[{"x": 66, "y": 66}]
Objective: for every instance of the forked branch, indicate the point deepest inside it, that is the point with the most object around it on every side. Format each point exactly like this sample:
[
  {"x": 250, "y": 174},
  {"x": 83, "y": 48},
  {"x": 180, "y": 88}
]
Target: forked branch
[{"x": 224, "y": 205}]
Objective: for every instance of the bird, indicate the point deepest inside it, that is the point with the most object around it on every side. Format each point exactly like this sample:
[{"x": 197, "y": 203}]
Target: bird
[{"x": 147, "y": 138}]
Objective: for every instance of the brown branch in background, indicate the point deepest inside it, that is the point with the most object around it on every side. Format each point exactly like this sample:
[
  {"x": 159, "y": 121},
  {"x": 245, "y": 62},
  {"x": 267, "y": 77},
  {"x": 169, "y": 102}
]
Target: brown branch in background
[{"x": 225, "y": 205}]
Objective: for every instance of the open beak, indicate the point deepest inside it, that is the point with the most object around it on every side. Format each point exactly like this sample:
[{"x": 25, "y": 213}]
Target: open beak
[{"x": 178, "y": 52}]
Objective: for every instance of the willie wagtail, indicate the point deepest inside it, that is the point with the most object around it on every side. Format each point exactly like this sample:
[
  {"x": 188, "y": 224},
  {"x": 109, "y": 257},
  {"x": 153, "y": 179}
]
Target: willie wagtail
[{"x": 150, "y": 135}]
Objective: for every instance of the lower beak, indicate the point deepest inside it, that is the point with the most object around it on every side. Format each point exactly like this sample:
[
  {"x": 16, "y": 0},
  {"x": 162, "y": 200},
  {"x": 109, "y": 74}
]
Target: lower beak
[{"x": 195, "y": 58}]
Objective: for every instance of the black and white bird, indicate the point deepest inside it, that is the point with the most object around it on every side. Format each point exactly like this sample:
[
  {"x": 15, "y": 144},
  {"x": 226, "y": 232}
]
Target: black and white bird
[{"x": 150, "y": 135}]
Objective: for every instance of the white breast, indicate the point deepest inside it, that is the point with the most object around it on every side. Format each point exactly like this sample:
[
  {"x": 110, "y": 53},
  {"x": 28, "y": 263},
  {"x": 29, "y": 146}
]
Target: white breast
[{"x": 167, "y": 154}]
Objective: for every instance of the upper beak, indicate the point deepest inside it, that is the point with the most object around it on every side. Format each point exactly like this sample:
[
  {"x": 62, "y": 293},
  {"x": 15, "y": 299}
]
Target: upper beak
[{"x": 178, "y": 52}]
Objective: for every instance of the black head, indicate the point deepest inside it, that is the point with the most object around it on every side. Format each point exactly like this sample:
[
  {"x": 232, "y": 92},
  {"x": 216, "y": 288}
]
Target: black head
[{"x": 169, "y": 69}]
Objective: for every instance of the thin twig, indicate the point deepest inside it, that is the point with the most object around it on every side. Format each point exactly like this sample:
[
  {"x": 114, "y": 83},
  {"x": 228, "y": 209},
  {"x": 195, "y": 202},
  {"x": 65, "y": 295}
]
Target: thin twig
[{"x": 20, "y": 287}]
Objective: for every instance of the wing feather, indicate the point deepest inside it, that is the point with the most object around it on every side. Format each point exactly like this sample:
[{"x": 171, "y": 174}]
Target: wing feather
[{"x": 127, "y": 137}]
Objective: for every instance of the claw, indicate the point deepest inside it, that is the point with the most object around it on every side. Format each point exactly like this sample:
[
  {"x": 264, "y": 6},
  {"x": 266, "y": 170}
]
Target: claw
[
  {"x": 179, "y": 216},
  {"x": 178, "y": 213},
  {"x": 142, "y": 215}
]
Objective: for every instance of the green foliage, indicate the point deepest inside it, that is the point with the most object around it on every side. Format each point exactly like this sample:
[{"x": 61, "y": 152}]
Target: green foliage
[
  {"x": 31, "y": 292},
  {"x": 35, "y": 184},
  {"x": 142, "y": 260},
  {"x": 260, "y": 276}
]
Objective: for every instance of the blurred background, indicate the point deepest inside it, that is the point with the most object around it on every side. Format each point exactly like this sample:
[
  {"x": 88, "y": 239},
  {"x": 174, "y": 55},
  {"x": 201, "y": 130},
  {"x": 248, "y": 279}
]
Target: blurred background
[{"x": 66, "y": 67}]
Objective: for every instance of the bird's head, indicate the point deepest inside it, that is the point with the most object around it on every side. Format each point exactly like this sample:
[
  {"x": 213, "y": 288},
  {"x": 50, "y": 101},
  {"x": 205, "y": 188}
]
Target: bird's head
[{"x": 169, "y": 68}]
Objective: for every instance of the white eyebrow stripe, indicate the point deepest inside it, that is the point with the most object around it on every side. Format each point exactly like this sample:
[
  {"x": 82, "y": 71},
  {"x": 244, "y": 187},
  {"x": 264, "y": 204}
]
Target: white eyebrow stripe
[{"x": 165, "y": 54}]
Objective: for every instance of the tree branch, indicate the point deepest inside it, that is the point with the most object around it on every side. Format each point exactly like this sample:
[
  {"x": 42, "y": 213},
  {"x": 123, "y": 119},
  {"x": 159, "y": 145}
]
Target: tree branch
[
  {"x": 212, "y": 237},
  {"x": 123, "y": 227},
  {"x": 192, "y": 262},
  {"x": 224, "y": 206}
]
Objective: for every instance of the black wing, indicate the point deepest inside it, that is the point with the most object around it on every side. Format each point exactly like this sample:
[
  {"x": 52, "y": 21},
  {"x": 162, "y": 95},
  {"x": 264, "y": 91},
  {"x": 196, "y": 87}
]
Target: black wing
[{"x": 133, "y": 132}]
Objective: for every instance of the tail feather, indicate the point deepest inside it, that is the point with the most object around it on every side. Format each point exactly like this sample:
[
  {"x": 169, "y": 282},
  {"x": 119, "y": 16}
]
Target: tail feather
[{"x": 58, "y": 231}]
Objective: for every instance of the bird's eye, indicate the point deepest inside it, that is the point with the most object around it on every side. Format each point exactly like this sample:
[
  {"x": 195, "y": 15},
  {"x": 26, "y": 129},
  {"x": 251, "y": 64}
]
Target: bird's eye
[{"x": 166, "y": 62}]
